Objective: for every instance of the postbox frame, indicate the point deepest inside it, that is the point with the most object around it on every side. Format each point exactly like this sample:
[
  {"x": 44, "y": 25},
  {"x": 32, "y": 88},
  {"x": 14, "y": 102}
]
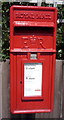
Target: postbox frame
[{"x": 15, "y": 59}]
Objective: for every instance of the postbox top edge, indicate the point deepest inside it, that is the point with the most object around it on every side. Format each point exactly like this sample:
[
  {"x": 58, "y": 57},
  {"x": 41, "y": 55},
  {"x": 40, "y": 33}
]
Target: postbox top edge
[{"x": 32, "y": 7}]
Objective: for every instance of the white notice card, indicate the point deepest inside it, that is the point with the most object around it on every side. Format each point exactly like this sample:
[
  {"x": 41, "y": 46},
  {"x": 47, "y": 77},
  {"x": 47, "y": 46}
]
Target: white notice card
[{"x": 32, "y": 79}]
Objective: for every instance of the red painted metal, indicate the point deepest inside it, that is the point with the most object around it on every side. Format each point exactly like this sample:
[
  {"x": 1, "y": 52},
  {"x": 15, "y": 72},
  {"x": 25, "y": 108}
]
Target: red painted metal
[{"x": 32, "y": 31}]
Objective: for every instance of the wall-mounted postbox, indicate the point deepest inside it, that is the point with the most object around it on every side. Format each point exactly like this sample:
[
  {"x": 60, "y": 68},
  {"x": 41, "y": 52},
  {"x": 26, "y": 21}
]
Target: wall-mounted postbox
[{"x": 32, "y": 56}]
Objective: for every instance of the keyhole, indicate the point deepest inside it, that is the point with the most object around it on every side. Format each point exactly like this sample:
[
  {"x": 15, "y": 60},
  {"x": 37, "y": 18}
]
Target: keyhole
[{"x": 20, "y": 82}]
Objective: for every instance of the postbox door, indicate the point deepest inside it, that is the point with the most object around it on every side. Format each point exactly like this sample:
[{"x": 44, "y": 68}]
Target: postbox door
[{"x": 39, "y": 99}]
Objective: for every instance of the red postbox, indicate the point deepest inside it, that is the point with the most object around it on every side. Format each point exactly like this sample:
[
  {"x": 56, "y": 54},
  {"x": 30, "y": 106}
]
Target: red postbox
[{"x": 32, "y": 56}]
